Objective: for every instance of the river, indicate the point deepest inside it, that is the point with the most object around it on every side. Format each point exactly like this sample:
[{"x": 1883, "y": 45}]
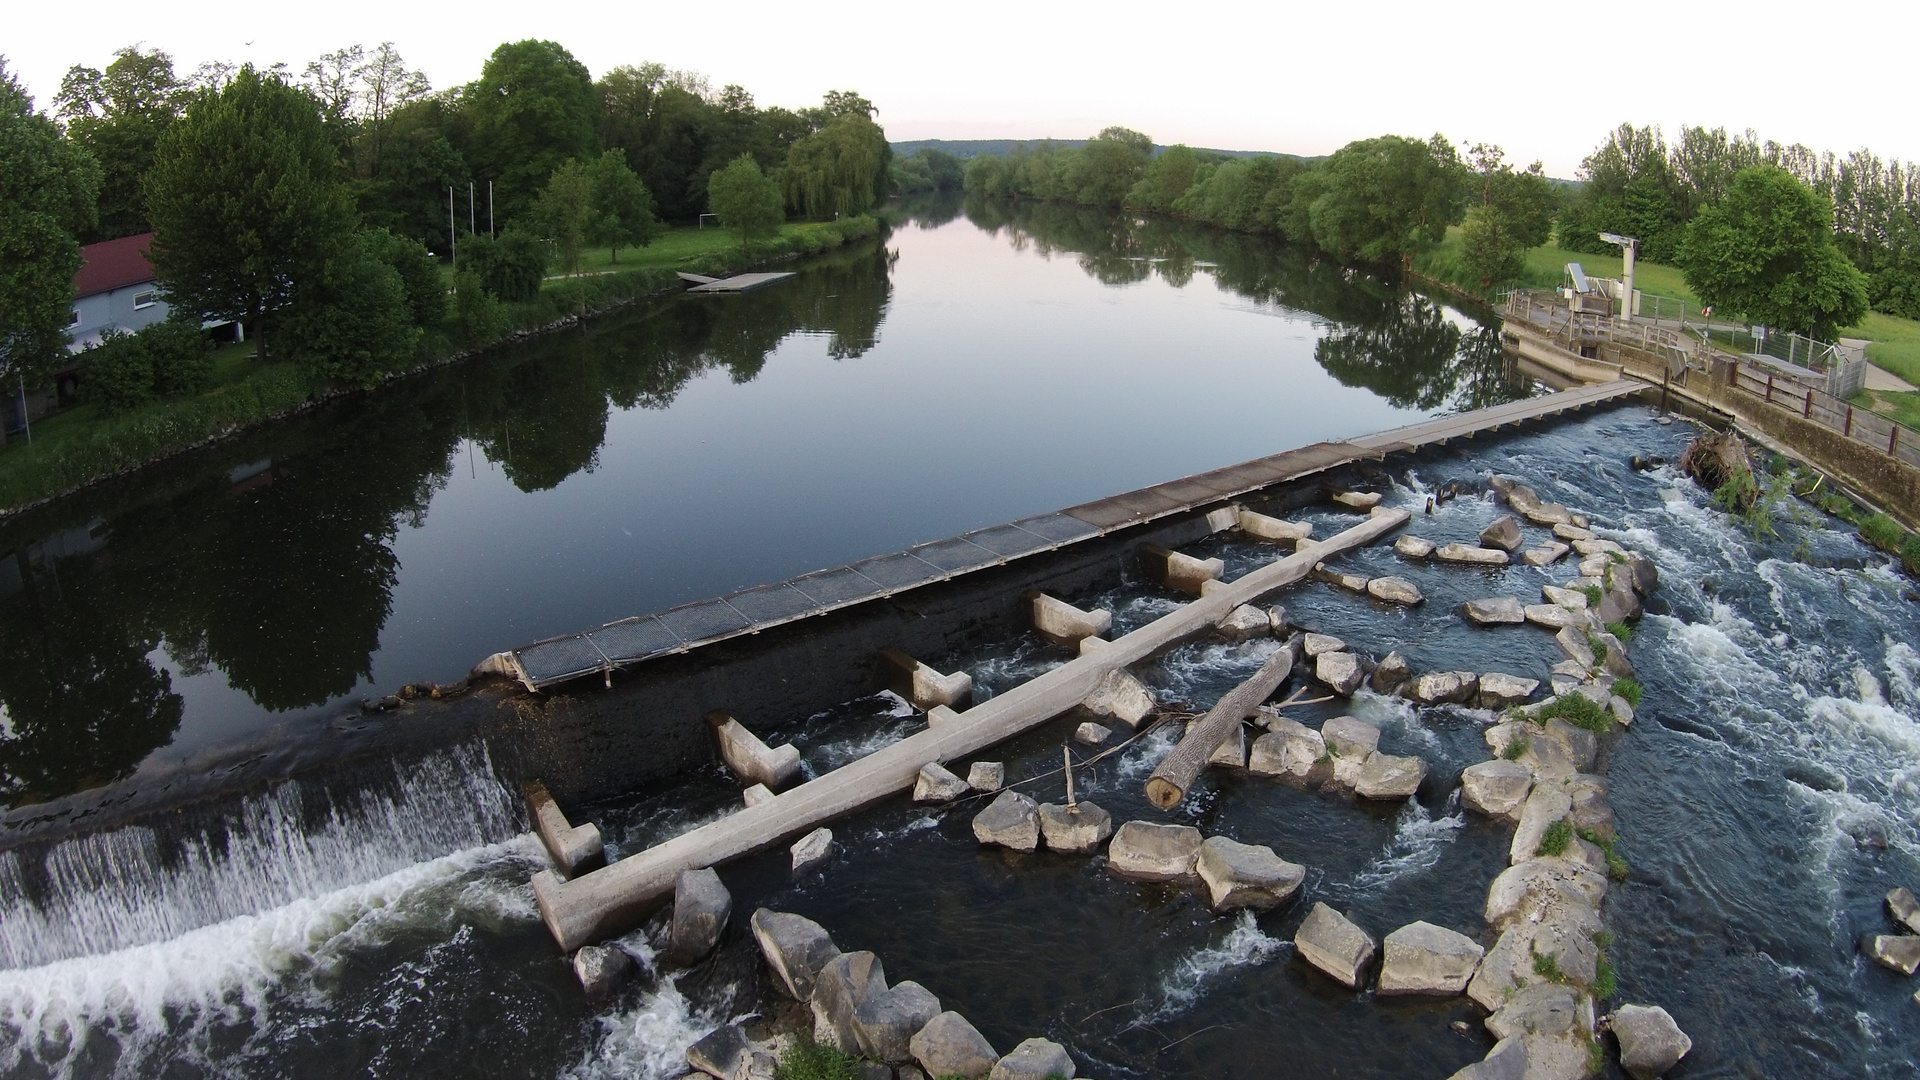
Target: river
[{"x": 969, "y": 369}]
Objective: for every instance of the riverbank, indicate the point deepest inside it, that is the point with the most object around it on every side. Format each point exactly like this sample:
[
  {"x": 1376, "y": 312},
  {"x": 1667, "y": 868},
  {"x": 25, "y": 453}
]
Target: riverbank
[{"x": 85, "y": 445}]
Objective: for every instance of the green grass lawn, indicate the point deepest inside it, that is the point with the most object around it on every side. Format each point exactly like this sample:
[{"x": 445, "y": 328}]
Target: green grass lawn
[
  {"x": 676, "y": 246},
  {"x": 233, "y": 364}
]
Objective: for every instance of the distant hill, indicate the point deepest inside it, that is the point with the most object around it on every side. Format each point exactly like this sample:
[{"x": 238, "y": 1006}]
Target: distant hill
[{"x": 967, "y": 148}]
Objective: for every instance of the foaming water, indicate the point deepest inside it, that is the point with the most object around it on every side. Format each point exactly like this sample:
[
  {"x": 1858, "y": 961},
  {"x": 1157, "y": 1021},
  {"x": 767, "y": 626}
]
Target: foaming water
[
  {"x": 115, "y": 890},
  {"x": 649, "y": 1038},
  {"x": 1419, "y": 839},
  {"x": 165, "y": 1000},
  {"x": 1246, "y": 945}
]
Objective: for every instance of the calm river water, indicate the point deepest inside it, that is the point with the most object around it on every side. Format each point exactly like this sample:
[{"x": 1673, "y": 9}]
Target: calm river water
[{"x": 1768, "y": 795}]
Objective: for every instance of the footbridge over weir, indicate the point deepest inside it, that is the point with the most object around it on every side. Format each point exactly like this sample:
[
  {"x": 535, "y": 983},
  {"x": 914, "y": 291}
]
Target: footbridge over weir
[
  {"x": 604, "y": 902},
  {"x": 627, "y": 642}
]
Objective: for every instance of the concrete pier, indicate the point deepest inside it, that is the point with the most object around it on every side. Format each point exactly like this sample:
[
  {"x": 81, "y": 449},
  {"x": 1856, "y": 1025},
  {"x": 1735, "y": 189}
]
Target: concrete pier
[
  {"x": 574, "y": 849},
  {"x": 611, "y": 900}
]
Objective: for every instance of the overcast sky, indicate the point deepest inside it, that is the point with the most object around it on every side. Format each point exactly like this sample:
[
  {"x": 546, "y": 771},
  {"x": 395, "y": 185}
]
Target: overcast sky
[{"x": 1546, "y": 81}]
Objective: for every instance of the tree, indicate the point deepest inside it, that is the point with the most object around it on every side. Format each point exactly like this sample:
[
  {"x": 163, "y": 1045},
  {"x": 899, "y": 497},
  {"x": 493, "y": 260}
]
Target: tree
[
  {"x": 564, "y": 211},
  {"x": 117, "y": 115},
  {"x": 419, "y": 274},
  {"x": 747, "y": 200},
  {"x": 247, "y": 204},
  {"x": 622, "y": 206},
  {"x": 510, "y": 267},
  {"x": 1384, "y": 200},
  {"x": 1107, "y": 167},
  {"x": 533, "y": 107},
  {"x": 387, "y": 85},
  {"x": 47, "y": 191},
  {"x": 1512, "y": 212},
  {"x": 1767, "y": 251},
  {"x": 841, "y": 169},
  {"x": 352, "y": 322},
  {"x": 1169, "y": 176}
]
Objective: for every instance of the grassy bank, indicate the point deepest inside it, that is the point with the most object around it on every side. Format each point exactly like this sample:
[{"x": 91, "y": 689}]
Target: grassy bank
[{"x": 87, "y": 443}]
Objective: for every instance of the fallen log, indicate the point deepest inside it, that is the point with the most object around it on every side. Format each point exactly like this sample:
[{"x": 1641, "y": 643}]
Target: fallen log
[{"x": 1177, "y": 771}]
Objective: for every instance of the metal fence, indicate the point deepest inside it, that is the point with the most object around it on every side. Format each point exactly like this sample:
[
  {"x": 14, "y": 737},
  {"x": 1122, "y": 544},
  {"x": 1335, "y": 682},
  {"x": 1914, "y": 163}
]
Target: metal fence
[{"x": 1861, "y": 425}]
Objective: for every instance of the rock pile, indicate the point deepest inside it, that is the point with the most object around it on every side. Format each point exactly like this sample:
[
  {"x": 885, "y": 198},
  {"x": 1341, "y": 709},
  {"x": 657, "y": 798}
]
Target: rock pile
[
  {"x": 1344, "y": 754},
  {"x": 855, "y": 1011}
]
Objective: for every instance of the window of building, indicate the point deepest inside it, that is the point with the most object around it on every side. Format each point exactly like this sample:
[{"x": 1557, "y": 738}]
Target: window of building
[
  {"x": 76, "y": 318},
  {"x": 145, "y": 299}
]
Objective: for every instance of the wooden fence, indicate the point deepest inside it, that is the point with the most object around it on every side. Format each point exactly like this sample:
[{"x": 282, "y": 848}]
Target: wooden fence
[{"x": 1867, "y": 428}]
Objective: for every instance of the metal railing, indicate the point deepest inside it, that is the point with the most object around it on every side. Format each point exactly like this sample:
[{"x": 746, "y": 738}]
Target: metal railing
[{"x": 1860, "y": 425}]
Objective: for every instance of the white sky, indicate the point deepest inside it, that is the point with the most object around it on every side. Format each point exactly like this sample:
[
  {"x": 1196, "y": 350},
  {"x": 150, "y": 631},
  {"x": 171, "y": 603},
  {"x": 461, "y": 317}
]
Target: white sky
[{"x": 1302, "y": 78}]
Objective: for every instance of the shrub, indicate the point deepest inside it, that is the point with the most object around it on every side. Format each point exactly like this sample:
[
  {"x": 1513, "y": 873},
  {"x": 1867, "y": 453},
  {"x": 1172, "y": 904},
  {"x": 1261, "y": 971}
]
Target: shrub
[
  {"x": 181, "y": 356},
  {"x": 808, "y": 1060},
  {"x": 1593, "y": 594},
  {"x": 1617, "y": 867},
  {"x": 1599, "y": 647},
  {"x": 1620, "y": 630},
  {"x": 1579, "y": 710},
  {"x": 1547, "y": 966},
  {"x": 1910, "y": 553},
  {"x": 1516, "y": 749},
  {"x": 511, "y": 266},
  {"x": 1882, "y": 532},
  {"x": 481, "y": 318},
  {"x": 419, "y": 273},
  {"x": 1628, "y": 689},
  {"x": 118, "y": 371},
  {"x": 1605, "y": 983},
  {"x": 1555, "y": 840}
]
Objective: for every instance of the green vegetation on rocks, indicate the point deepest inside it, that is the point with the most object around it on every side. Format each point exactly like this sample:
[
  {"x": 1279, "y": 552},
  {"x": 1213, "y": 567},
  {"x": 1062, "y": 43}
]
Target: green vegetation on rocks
[
  {"x": 1578, "y": 710},
  {"x": 1554, "y": 841}
]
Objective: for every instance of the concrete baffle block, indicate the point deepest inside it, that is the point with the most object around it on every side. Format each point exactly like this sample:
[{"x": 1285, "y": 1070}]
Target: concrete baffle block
[
  {"x": 575, "y": 849},
  {"x": 1262, "y": 527},
  {"x": 1179, "y": 571},
  {"x": 749, "y": 758},
  {"x": 1063, "y": 624},
  {"x": 921, "y": 685}
]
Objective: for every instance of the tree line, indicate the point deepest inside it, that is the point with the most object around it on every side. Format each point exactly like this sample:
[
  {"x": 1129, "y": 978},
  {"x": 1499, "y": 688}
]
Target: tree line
[
  {"x": 1377, "y": 201},
  {"x": 1753, "y": 226},
  {"x": 312, "y": 206}
]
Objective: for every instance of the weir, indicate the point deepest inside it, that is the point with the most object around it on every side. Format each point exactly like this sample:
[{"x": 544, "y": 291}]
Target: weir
[{"x": 626, "y": 642}]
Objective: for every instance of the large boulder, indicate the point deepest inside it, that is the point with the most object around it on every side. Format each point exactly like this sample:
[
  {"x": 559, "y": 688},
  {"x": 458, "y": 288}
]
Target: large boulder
[
  {"x": 1441, "y": 687},
  {"x": 1645, "y": 575},
  {"x": 1122, "y": 697},
  {"x": 1316, "y": 644},
  {"x": 811, "y": 850},
  {"x": 1506, "y": 1061},
  {"x": 1496, "y": 788},
  {"x": 1350, "y": 737},
  {"x": 1541, "y": 888},
  {"x": 936, "y": 784},
  {"x": 1897, "y": 952},
  {"x": 1545, "y": 554},
  {"x": 1245, "y": 875},
  {"x": 1619, "y": 603},
  {"x": 1421, "y": 958},
  {"x": 1514, "y": 961},
  {"x": 1650, "y": 1042},
  {"x": 1413, "y": 547},
  {"x": 701, "y": 907},
  {"x": 796, "y": 948},
  {"x": 1551, "y": 616},
  {"x": 950, "y": 1046},
  {"x": 1389, "y": 777},
  {"x": 1092, "y": 734},
  {"x": 602, "y": 971},
  {"x": 1584, "y": 745},
  {"x": 1542, "y": 1009},
  {"x": 1571, "y": 599},
  {"x": 1590, "y": 809},
  {"x": 1232, "y": 751},
  {"x": 987, "y": 776},
  {"x": 1244, "y": 622},
  {"x": 844, "y": 984},
  {"x": 1149, "y": 851},
  {"x": 1076, "y": 830},
  {"x": 1499, "y": 690},
  {"x": 1471, "y": 556},
  {"x": 1395, "y": 590},
  {"x": 1495, "y": 611},
  {"x": 725, "y": 1053},
  {"x": 1904, "y": 908},
  {"x": 1340, "y": 671},
  {"x": 1504, "y": 534},
  {"x": 886, "y": 1021},
  {"x": 1332, "y": 943},
  {"x": 1035, "y": 1059},
  {"x": 1011, "y": 820},
  {"x": 1544, "y": 806},
  {"x": 1391, "y": 673},
  {"x": 1293, "y": 752}
]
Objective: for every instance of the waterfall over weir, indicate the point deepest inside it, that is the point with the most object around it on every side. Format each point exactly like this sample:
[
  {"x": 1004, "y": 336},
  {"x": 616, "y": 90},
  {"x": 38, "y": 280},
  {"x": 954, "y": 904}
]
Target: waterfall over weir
[{"x": 130, "y": 887}]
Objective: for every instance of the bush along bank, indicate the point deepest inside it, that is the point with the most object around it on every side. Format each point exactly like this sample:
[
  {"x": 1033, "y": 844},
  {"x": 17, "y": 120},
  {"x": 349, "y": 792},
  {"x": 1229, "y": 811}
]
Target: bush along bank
[{"x": 93, "y": 443}]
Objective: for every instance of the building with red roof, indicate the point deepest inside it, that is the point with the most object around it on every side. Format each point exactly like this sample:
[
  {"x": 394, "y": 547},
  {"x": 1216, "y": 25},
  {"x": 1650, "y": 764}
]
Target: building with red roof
[{"x": 114, "y": 290}]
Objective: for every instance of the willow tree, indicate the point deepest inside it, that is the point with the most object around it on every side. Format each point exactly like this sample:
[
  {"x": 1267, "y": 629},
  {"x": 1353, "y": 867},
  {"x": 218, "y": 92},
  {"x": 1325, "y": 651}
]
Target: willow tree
[{"x": 840, "y": 169}]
